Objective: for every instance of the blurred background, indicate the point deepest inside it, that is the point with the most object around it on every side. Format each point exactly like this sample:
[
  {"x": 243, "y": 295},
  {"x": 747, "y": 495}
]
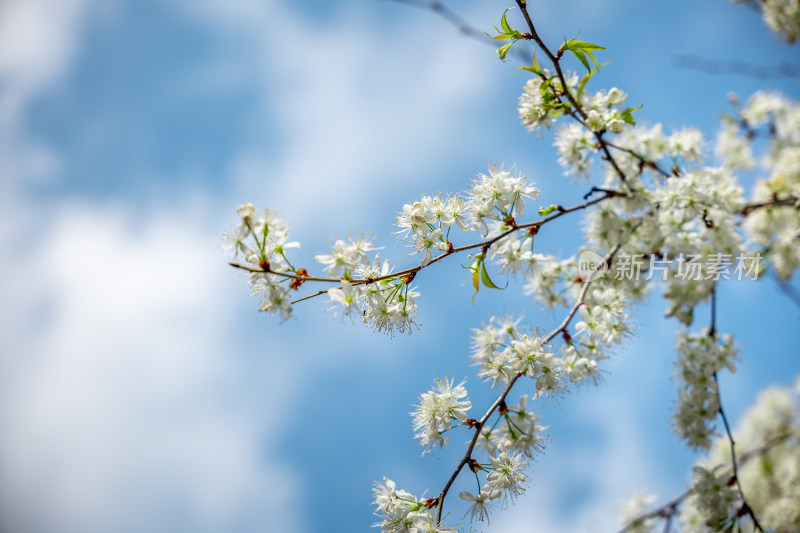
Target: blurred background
[{"x": 140, "y": 390}]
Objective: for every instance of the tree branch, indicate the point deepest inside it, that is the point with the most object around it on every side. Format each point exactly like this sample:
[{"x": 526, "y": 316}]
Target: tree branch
[
  {"x": 468, "y": 455},
  {"x": 485, "y": 244}
]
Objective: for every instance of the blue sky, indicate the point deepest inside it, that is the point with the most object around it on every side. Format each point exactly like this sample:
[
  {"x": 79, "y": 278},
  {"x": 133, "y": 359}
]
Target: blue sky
[{"x": 139, "y": 388}]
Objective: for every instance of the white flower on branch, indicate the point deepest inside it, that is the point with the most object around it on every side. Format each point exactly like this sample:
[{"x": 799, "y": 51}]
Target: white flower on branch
[
  {"x": 499, "y": 191},
  {"x": 701, "y": 357},
  {"x": 508, "y": 473},
  {"x": 436, "y": 411},
  {"x": 480, "y": 503},
  {"x": 346, "y": 256}
]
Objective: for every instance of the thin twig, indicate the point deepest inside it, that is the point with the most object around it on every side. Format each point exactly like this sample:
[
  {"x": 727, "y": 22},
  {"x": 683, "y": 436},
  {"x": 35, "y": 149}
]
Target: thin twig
[
  {"x": 789, "y": 290},
  {"x": 737, "y": 67},
  {"x": 745, "y": 509},
  {"x": 461, "y": 25},
  {"x": 283, "y": 274},
  {"x": 553, "y": 59},
  {"x": 577, "y": 108},
  {"x": 712, "y": 332},
  {"x": 646, "y": 162}
]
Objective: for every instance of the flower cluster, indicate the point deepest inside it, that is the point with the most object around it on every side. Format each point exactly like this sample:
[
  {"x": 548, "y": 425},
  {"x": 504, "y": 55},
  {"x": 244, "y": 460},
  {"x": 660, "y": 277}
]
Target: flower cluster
[
  {"x": 545, "y": 276},
  {"x": 604, "y": 321},
  {"x": 767, "y": 444},
  {"x": 401, "y": 512},
  {"x": 714, "y": 499},
  {"x": 426, "y": 221},
  {"x": 346, "y": 258},
  {"x": 436, "y": 410},
  {"x": 514, "y": 253},
  {"x": 633, "y": 509},
  {"x": 696, "y": 216},
  {"x": 368, "y": 288},
  {"x": 501, "y": 353},
  {"x": 692, "y": 206},
  {"x": 380, "y": 299},
  {"x": 518, "y": 430},
  {"x": 701, "y": 356},
  {"x": 498, "y": 195},
  {"x": 576, "y": 142},
  {"x": 510, "y": 444},
  {"x": 265, "y": 257},
  {"x": 539, "y": 104}
]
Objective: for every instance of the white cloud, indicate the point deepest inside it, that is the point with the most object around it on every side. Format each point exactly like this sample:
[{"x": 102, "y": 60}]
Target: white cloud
[
  {"x": 364, "y": 108},
  {"x": 123, "y": 406}
]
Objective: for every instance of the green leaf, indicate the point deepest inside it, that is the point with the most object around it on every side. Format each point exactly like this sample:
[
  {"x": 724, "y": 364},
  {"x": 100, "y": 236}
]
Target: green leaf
[
  {"x": 594, "y": 60},
  {"x": 627, "y": 115},
  {"x": 504, "y": 23},
  {"x": 534, "y": 68},
  {"x": 582, "y": 58},
  {"x": 544, "y": 211},
  {"x": 508, "y": 32},
  {"x": 503, "y": 50},
  {"x": 627, "y": 118},
  {"x": 583, "y": 45},
  {"x": 486, "y": 280},
  {"x": 476, "y": 284},
  {"x": 543, "y": 88},
  {"x": 475, "y": 269},
  {"x": 584, "y": 81}
]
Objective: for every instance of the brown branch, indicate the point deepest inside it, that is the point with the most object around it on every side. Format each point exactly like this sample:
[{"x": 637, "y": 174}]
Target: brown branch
[
  {"x": 553, "y": 59},
  {"x": 283, "y": 274},
  {"x": 643, "y": 160},
  {"x": 577, "y": 108},
  {"x": 477, "y": 427},
  {"x": 486, "y": 244},
  {"x": 749, "y": 208},
  {"x": 745, "y": 509},
  {"x": 712, "y": 332}
]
